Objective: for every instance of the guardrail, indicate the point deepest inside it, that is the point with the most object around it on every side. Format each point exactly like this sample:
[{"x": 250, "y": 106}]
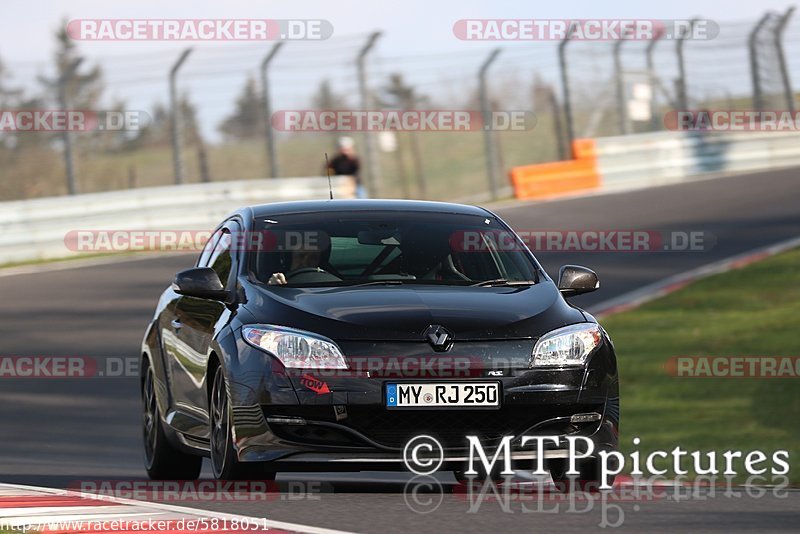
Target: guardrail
[
  {"x": 668, "y": 157},
  {"x": 35, "y": 229},
  {"x": 650, "y": 159}
]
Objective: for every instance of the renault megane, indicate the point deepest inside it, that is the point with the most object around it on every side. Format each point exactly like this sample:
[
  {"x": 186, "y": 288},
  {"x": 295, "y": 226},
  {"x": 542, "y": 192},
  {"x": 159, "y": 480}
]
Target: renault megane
[{"x": 324, "y": 335}]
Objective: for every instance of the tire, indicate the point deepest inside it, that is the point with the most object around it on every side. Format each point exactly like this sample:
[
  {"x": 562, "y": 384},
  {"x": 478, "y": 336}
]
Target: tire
[
  {"x": 588, "y": 478},
  {"x": 161, "y": 460},
  {"x": 224, "y": 463}
]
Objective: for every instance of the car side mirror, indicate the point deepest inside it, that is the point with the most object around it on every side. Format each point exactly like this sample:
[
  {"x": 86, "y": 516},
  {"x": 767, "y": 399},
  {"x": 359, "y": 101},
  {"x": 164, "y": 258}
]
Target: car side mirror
[
  {"x": 201, "y": 282},
  {"x": 575, "y": 280}
]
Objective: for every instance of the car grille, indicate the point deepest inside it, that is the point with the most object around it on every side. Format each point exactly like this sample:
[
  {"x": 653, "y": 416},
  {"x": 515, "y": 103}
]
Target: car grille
[
  {"x": 394, "y": 428},
  {"x": 450, "y": 427}
]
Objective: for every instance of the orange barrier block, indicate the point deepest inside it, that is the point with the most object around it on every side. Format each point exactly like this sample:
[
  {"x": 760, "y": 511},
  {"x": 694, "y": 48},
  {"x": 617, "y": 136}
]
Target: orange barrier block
[{"x": 556, "y": 178}]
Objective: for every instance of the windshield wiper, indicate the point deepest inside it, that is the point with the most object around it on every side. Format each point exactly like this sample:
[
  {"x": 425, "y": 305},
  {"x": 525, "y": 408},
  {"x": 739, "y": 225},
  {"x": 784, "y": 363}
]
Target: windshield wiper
[
  {"x": 503, "y": 282},
  {"x": 376, "y": 283}
]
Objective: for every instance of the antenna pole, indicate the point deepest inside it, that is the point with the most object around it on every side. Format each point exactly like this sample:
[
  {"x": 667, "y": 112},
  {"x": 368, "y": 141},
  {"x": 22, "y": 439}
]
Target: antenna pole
[{"x": 328, "y": 169}]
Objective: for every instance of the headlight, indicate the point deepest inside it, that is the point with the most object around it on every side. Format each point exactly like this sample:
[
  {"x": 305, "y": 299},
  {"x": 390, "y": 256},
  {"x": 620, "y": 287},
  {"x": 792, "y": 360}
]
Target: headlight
[
  {"x": 566, "y": 346},
  {"x": 295, "y": 348}
]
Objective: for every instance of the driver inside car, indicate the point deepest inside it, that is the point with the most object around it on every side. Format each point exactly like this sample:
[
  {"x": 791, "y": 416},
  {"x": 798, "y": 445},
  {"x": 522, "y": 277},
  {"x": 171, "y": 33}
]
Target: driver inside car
[
  {"x": 306, "y": 259},
  {"x": 301, "y": 259}
]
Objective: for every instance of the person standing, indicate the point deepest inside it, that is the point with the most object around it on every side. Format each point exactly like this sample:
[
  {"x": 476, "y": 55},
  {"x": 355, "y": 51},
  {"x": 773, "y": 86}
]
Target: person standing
[{"x": 346, "y": 163}]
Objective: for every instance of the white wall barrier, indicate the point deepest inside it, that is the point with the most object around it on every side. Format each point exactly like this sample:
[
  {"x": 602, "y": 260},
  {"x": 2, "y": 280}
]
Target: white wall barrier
[
  {"x": 35, "y": 229},
  {"x": 668, "y": 157}
]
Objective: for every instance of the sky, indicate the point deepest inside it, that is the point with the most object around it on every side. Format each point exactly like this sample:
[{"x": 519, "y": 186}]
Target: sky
[
  {"x": 417, "y": 38},
  {"x": 411, "y": 26}
]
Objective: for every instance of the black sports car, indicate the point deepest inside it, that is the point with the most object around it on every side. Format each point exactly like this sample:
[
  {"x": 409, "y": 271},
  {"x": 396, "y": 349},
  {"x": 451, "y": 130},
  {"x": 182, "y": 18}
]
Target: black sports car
[{"x": 325, "y": 335}]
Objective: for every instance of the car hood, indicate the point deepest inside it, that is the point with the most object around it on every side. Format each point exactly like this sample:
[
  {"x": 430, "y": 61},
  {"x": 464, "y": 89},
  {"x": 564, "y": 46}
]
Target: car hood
[{"x": 400, "y": 313}]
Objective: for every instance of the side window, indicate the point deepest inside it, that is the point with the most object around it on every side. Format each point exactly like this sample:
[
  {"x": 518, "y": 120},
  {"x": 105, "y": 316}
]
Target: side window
[
  {"x": 202, "y": 261},
  {"x": 220, "y": 259}
]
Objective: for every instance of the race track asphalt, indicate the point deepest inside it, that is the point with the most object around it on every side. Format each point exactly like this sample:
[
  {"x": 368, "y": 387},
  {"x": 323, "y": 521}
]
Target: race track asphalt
[{"x": 56, "y": 432}]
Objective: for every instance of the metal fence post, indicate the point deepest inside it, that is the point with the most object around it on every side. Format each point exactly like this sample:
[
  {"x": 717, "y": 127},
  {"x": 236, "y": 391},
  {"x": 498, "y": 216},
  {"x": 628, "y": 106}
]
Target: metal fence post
[
  {"x": 622, "y": 113},
  {"x": 488, "y": 133},
  {"x": 176, "y": 119},
  {"x": 787, "y": 84},
  {"x": 758, "y": 98},
  {"x": 682, "y": 100},
  {"x": 370, "y": 149},
  {"x": 562, "y": 63},
  {"x": 558, "y": 129},
  {"x": 271, "y": 155},
  {"x": 63, "y": 102},
  {"x": 651, "y": 78}
]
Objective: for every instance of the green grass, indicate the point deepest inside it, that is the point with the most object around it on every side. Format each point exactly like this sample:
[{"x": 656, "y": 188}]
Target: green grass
[{"x": 753, "y": 311}]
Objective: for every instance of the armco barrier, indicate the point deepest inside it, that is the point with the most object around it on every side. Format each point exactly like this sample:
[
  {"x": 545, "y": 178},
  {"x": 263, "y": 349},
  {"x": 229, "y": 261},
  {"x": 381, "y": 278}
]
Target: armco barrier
[
  {"x": 544, "y": 180},
  {"x": 651, "y": 159},
  {"x": 668, "y": 157},
  {"x": 35, "y": 229}
]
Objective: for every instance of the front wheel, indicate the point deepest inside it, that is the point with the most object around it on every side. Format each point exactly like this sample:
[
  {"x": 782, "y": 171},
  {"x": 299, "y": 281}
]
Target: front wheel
[
  {"x": 224, "y": 463},
  {"x": 161, "y": 460}
]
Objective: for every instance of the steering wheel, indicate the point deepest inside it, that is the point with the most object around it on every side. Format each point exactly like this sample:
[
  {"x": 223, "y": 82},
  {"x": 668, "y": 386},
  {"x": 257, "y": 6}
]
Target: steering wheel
[{"x": 305, "y": 270}]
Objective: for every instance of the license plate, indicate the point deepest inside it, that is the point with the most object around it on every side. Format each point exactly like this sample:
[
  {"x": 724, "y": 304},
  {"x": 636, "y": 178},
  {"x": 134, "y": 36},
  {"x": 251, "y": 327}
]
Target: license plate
[{"x": 442, "y": 394}]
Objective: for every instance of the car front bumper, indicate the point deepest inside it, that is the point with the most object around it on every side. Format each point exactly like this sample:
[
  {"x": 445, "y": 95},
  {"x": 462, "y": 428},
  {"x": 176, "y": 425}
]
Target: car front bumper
[{"x": 340, "y": 421}]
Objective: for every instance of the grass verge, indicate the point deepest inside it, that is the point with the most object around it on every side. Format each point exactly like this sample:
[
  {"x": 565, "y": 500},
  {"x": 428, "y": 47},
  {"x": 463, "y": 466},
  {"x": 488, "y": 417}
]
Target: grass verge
[{"x": 748, "y": 312}]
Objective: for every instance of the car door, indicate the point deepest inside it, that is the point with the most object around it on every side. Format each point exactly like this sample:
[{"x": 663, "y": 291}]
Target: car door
[
  {"x": 170, "y": 326},
  {"x": 196, "y": 321}
]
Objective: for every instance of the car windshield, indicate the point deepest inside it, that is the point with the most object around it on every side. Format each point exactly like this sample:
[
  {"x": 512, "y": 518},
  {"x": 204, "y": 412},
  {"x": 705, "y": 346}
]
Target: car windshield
[{"x": 391, "y": 248}]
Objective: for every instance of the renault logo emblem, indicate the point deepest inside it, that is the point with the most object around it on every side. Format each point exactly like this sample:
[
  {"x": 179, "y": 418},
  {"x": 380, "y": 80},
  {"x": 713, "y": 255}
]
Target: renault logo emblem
[{"x": 439, "y": 337}]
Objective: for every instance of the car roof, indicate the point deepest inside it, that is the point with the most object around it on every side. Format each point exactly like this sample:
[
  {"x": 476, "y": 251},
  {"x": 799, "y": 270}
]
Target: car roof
[{"x": 316, "y": 206}]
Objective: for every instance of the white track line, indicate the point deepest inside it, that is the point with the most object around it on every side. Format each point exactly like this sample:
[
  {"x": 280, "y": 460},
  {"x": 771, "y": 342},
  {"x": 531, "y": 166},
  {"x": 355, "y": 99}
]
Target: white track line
[
  {"x": 645, "y": 294},
  {"x": 50, "y": 509},
  {"x": 183, "y": 510},
  {"x": 80, "y": 263},
  {"x": 65, "y": 519}
]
